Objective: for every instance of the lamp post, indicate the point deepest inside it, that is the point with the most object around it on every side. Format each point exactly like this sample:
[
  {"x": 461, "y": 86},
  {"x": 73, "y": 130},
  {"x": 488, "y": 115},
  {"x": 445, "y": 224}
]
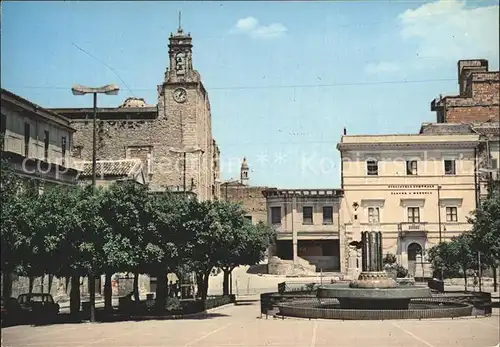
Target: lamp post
[
  {"x": 110, "y": 89},
  {"x": 439, "y": 212},
  {"x": 490, "y": 189}
]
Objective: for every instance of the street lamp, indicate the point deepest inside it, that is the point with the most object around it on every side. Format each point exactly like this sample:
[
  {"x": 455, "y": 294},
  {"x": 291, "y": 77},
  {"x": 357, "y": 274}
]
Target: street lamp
[
  {"x": 110, "y": 89},
  {"x": 490, "y": 189}
]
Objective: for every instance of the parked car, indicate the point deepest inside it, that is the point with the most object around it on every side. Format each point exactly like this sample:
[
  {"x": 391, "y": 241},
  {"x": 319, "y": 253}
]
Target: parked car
[{"x": 38, "y": 304}]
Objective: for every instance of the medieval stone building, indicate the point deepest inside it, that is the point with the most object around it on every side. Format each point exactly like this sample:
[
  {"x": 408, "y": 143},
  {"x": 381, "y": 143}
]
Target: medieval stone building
[{"x": 173, "y": 138}]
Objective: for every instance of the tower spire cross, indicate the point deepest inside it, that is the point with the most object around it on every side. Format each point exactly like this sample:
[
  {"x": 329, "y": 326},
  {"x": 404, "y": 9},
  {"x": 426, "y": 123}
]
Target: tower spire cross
[{"x": 180, "y": 19}]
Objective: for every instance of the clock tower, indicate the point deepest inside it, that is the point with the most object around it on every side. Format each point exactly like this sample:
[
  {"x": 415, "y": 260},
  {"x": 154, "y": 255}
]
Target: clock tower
[{"x": 184, "y": 115}]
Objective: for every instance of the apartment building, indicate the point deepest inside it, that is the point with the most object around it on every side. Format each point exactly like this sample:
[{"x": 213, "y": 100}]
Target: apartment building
[
  {"x": 417, "y": 189},
  {"x": 37, "y": 142},
  {"x": 307, "y": 224}
]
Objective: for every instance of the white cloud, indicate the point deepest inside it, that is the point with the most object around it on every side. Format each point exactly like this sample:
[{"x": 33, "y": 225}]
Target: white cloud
[
  {"x": 382, "y": 67},
  {"x": 443, "y": 32},
  {"x": 251, "y": 27},
  {"x": 449, "y": 30}
]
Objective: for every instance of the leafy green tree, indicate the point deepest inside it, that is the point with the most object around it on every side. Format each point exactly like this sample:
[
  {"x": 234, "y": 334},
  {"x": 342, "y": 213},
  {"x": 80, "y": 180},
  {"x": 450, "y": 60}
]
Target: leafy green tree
[
  {"x": 11, "y": 239},
  {"x": 247, "y": 247},
  {"x": 87, "y": 240},
  {"x": 126, "y": 244},
  {"x": 485, "y": 233},
  {"x": 168, "y": 243}
]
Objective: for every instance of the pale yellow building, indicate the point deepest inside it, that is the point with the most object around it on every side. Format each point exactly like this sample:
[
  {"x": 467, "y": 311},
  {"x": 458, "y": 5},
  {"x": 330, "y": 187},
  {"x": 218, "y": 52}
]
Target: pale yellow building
[{"x": 417, "y": 189}]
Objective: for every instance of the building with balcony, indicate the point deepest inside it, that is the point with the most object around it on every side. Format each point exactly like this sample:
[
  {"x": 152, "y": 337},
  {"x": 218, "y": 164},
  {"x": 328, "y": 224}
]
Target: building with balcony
[
  {"x": 307, "y": 225},
  {"x": 36, "y": 142},
  {"x": 417, "y": 189}
]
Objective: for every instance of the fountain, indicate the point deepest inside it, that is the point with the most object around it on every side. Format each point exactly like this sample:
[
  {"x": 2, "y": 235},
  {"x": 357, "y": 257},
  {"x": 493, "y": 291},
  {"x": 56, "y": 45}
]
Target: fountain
[
  {"x": 373, "y": 289},
  {"x": 373, "y": 295}
]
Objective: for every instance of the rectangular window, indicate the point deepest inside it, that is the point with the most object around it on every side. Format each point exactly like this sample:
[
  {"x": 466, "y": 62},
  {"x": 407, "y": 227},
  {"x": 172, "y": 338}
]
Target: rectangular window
[
  {"x": 413, "y": 215},
  {"x": 46, "y": 146},
  {"x": 276, "y": 215},
  {"x": 411, "y": 167},
  {"x": 451, "y": 214},
  {"x": 373, "y": 215},
  {"x": 449, "y": 167},
  {"x": 372, "y": 168},
  {"x": 249, "y": 218},
  {"x": 63, "y": 152},
  {"x": 327, "y": 215},
  {"x": 307, "y": 215},
  {"x": 26, "y": 139}
]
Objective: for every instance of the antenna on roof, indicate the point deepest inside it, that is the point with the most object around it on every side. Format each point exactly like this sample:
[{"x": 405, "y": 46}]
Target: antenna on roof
[{"x": 345, "y": 131}]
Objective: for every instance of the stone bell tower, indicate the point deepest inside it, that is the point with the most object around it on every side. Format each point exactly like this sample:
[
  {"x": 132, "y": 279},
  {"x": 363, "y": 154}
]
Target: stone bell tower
[
  {"x": 244, "y": 172},
  {"x": 185, "y": 120}
]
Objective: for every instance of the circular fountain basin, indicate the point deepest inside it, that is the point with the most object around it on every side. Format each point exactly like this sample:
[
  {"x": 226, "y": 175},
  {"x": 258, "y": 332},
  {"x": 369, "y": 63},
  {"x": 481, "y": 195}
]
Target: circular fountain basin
[{"x": 397, "y": 298}]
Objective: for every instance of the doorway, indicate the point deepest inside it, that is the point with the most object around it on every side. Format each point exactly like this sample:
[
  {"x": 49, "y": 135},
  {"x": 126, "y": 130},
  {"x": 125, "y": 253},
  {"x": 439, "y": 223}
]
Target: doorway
[{"x": 413, "y": 249}]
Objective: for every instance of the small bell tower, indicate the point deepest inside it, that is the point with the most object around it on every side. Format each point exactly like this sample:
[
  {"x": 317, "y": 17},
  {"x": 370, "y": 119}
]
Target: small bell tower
[
  {"x": 244, "y": 172},
  {"x": 180, "y": 51}
]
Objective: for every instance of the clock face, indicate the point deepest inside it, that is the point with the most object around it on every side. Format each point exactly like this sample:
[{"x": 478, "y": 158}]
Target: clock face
[{"x": 180, "y": 94}]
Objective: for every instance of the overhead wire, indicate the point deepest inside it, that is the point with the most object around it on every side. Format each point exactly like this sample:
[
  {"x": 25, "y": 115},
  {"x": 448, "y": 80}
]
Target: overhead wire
[{"x": 327, "y": 85}]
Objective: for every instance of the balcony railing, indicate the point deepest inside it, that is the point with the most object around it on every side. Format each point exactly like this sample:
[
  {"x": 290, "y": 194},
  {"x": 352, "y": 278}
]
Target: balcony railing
[{"x": 408, "y": 227}]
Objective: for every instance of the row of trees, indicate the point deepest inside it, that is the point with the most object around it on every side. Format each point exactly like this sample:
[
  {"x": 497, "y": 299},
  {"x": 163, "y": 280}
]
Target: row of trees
[
  {"x": 79, "y": 231},
  {"x": 475, "y": 249}
]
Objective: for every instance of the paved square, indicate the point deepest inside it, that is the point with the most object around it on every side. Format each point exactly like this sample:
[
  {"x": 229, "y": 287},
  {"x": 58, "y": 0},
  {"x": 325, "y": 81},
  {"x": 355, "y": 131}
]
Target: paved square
[{"x": 240, "y": 326}]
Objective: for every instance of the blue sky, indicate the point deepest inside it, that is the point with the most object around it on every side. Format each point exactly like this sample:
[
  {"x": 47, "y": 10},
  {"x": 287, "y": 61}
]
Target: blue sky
[{"x": 284, "y": 78}]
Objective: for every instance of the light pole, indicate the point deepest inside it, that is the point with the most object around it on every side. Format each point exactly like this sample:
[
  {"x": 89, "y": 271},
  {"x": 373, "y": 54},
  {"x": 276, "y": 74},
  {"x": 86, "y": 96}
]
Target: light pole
[
  {"x": 490, "y": 189},
  {"x": 110, "y": 89},
  {"x": 439, "y": 212}
]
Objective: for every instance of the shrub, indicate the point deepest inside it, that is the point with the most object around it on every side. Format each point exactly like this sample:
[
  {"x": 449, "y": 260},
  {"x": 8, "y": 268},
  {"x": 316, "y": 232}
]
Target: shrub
[
  {"x": 389, "y": 259},
  {"x": 173, "y": 304},
  {"x": 401, "y": 271}
]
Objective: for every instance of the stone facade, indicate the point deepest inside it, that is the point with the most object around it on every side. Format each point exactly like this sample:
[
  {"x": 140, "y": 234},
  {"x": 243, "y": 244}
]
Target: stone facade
[
  {"x": 478, "y": 100},
  {"x": 173, "y": 138},
  {"x": 250, "y": 197}
]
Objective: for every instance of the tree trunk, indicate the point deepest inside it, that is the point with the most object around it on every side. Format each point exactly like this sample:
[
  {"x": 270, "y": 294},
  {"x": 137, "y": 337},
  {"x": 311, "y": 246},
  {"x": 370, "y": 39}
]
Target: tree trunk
[
  {"x": 66, "y": 282},
  {"x": 161, "y": 286},
  {"x": 203, "y": 282},
  {"x": 7, "y": 285},
  {"x": 495, "y": 285},
  {"x": 51, "y": 280},
  {"x": 108, "y": 292},
  {"x": 225, "y": 283},
  {"x": 465, "y": 277},
  {"x": 199, "y": 285},
  {"x": 137, "y": 299},
  {"x": 30, "y": 284},
  {"x": 91, "y": 283},
  {"x": 74, "y": 296}
]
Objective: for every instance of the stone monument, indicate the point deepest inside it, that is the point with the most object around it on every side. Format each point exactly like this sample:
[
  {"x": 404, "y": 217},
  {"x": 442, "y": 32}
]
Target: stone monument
[{"x": 372, "y": 274}]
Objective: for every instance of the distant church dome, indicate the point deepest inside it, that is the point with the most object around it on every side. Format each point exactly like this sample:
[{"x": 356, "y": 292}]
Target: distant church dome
[{"x": 134, "y": 102}]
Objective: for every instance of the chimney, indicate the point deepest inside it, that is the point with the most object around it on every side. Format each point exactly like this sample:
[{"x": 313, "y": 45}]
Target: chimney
[
  {"x": 466, "y": 68},
  {"x": 345, "y": 131}
]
